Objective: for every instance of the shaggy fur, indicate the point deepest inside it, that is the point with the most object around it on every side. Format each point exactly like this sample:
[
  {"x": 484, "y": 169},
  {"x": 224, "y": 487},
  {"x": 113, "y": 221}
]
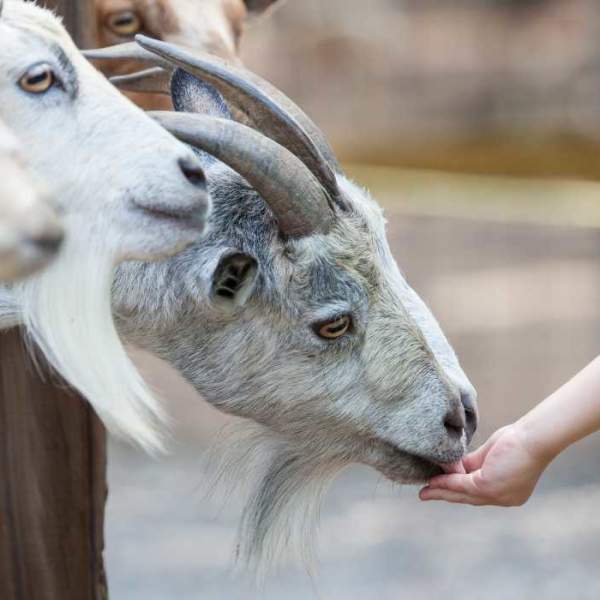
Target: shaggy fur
[
  {"x": 119, "y": 185},
  {"x": 76, "y": 334},
  {"x": 283, "y": 485}
]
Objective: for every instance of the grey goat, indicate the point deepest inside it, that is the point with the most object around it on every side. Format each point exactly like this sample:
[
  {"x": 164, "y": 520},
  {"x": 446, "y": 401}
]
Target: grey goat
[{"x": 292, "y": 313}]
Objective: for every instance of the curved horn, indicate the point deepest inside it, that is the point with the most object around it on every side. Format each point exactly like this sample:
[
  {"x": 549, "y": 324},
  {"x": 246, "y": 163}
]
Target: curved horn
[
  {"x": 295, "y": 196},
  {"x": 260, "y": 105},
  {"x": 127, "y": 51},
  {"x": 152, "y": 81}
]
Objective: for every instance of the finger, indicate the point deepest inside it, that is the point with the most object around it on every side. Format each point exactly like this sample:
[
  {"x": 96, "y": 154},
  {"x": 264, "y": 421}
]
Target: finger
[
  {"x": 464, "y": 484},
  {"x": 427, "y": 494},
  {"x": 475, "y": 459}
]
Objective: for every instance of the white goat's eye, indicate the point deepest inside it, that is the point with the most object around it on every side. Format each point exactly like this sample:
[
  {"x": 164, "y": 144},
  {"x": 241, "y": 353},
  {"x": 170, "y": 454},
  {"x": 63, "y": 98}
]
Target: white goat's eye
[
  {"x": 125, "y": 23},
  {"x": 332, "y": 330},
  {"x": 38, "y": 79}
]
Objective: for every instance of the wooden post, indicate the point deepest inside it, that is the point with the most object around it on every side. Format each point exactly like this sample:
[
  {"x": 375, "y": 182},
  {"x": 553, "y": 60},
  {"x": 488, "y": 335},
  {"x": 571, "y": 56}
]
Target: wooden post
[
  {"x": 79, "y": 18},
  {"x": 52, "y": 461},
  {"x": 52, "y": 486}
]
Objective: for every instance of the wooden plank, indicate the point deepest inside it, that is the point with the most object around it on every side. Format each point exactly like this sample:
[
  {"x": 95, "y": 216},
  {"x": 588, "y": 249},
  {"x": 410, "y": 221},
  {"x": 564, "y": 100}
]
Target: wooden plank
[
  {"x": 80, "y": 19},
  {"x": 52, "y": 486},
  {"x": 52, "y": 461}
]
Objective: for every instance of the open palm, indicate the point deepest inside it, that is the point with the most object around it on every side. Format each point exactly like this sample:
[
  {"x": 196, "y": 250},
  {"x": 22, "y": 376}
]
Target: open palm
[{"x": 502, "y": 472}]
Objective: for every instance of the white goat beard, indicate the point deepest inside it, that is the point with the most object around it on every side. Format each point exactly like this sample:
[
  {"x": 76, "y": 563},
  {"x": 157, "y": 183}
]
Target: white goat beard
[
  {"x": 284, "y": 486},
  {"x": 66, "y": 313}
]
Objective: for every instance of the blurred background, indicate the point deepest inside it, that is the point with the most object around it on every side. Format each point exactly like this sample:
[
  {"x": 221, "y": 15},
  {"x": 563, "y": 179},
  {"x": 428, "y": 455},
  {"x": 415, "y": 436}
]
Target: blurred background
[{"x": 476, "y": 124}]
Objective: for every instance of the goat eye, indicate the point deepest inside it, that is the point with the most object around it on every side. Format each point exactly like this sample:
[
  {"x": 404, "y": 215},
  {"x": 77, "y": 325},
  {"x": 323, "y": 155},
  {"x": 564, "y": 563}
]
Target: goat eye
[
  {"x": 125, "y": 23},
  {"x": 38, "y": 79},
  {"x": 332, "y": 330}
]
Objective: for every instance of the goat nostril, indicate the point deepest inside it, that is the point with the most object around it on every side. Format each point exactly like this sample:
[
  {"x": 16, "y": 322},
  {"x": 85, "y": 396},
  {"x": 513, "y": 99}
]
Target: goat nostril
[
  {"x": 471, "y": 416},
  {"x": 193, "y": 172},
  {"x": 454, "y": 422},
  {"x": 452, "y": 430}
]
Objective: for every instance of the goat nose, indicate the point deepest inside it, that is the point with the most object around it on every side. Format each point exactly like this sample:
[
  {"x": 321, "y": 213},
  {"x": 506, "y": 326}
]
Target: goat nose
[
  {"x": 454, "y": 421},
  {"x": 471, "y": 413},
  {"x": 193, "y": 172}
]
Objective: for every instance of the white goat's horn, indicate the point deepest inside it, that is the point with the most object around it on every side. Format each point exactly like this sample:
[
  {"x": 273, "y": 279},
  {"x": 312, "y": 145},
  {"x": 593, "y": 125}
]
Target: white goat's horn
[
  {"x": 259, "y": 105},
  {"x": 152, "y": 81},
  {"x": 295, "y": 196}
]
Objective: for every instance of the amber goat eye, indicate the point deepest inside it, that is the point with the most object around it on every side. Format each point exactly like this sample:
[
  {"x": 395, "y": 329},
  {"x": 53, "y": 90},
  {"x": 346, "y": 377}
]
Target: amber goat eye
[
  {"x": 124, "y": 23},
  {"x": 38, "y": 79},
  {"x": 332, "y": 330}
]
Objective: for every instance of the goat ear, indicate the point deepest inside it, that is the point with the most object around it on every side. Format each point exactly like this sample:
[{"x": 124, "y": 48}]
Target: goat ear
[
  {"x": 190, "y": 94},
  {"x": 258, "y": 7},
  {"x": 234, "y": 280}
]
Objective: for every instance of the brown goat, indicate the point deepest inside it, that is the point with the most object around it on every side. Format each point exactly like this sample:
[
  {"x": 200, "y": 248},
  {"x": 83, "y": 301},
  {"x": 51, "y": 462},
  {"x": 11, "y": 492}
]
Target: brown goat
[{"x": 215, "y": 26}]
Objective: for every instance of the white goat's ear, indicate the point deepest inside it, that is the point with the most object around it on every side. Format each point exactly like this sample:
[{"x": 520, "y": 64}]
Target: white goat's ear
[
  {"x": 234, "y": 280},
  {"x": 258, "y": 7}
]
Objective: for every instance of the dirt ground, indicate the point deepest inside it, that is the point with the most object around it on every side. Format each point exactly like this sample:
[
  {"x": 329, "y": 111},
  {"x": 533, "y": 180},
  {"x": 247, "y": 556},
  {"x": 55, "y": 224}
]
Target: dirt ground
[{"x": 521, "y": 303}]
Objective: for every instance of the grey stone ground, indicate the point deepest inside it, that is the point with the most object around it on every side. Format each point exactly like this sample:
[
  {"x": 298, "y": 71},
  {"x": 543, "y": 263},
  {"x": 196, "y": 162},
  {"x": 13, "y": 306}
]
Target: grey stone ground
[{"x": 521, "y": 304}]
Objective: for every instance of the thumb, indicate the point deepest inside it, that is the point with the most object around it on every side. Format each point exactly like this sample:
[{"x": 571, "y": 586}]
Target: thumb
[{"x": 475, "y": 459}]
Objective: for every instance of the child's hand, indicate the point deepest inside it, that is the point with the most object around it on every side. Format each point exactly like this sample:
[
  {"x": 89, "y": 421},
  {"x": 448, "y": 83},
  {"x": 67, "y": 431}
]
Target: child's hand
[
  {"x": 505, "y": 470},
  {"x": 502, "y": 472}
]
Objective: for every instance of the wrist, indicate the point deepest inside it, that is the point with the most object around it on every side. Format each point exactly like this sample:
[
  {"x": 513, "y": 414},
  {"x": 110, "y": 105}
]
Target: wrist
[{"x": 542, "y": 449}]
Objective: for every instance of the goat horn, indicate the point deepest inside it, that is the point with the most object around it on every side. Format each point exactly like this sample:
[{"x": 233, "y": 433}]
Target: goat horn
[
  {"x": 261, "y": 106},
  {"x": 1, "y": 6},
  {"x": 127, "y": 51},
  {"x": 294, "y": 194},
  {"x": 152, "y": 81}
]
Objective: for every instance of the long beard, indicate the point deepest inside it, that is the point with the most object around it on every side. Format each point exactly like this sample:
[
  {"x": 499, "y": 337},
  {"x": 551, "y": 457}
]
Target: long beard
[
  {"x": 283, "y": 485},
  {"x": 66, "y": 314}
]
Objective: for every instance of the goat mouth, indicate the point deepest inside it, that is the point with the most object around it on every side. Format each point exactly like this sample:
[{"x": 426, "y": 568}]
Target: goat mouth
[
  {"x": 401, "y": 466},
  {"x": 196, "y": 220}
]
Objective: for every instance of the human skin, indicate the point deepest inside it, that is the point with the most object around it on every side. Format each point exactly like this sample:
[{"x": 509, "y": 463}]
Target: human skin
[{"x": 505, "y": 470}]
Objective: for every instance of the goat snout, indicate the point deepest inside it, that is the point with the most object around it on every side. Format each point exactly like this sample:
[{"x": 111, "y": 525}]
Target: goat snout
[
  {"x": 184, "y": 199},
  {"x": 193, "y": 172},
  {"x": 455, "y": 421},
  {"x": 462, "y": 417}
]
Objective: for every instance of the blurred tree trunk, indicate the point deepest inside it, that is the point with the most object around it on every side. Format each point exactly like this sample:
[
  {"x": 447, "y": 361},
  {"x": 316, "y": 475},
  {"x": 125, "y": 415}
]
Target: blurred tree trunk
[{"x": 52, "y": 461}]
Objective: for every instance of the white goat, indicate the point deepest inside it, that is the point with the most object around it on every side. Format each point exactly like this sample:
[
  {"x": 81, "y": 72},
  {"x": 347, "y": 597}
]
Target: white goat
[
  {"x": 127, "y": 190},
  {"x": 30, "y": 234}
]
